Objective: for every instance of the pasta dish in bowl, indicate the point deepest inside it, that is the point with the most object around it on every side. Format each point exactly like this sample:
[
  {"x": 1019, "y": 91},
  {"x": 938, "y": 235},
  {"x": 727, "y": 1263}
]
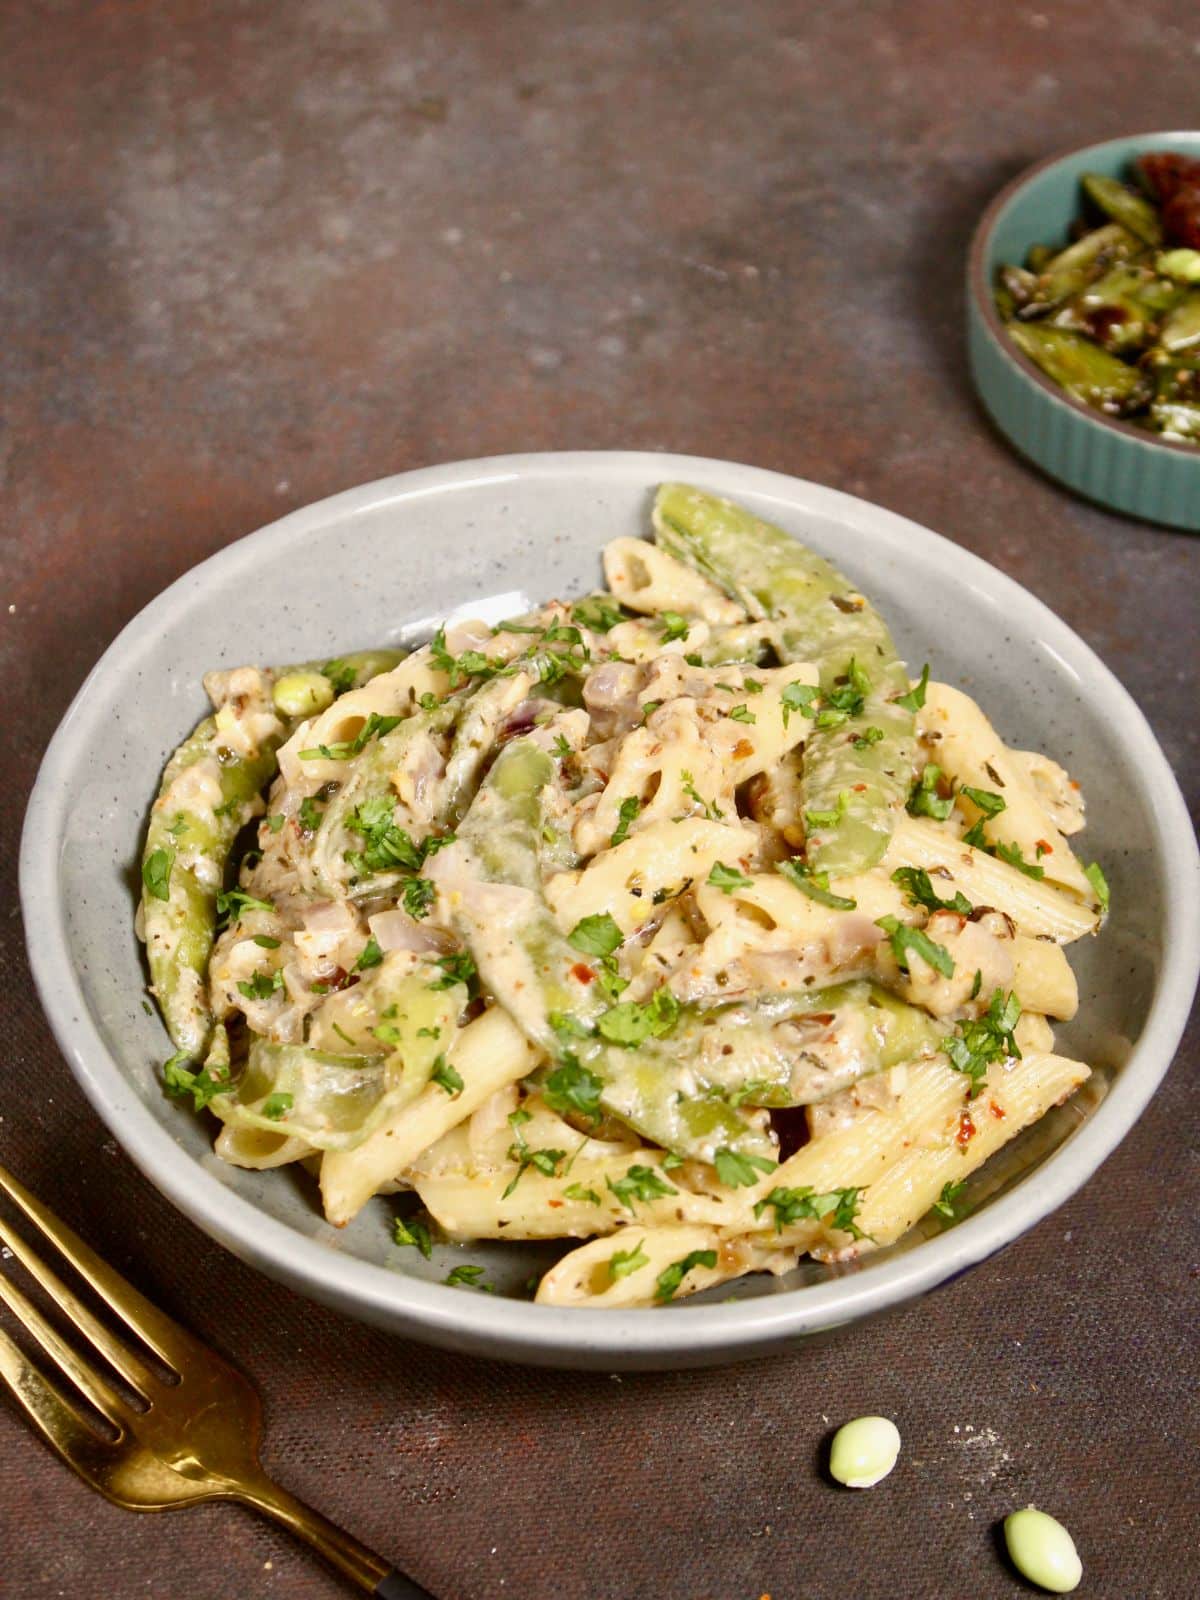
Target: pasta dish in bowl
[
  {"x": 629, "y": 933},
  {"x": 677, "y": 922}
]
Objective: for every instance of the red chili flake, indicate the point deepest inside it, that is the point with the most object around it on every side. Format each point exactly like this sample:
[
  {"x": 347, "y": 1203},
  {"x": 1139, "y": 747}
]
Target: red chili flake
[
  {"x": 966, "y": 1130},
  {"x": 860, "y": 788},
  {"x": 554, "y": 1203},
  {"x": 997, "y": 1111},
  {"x": 1044, "y": 849},
  {"x": 582, "y": 973},
  {"x": 742, "y": 749}
]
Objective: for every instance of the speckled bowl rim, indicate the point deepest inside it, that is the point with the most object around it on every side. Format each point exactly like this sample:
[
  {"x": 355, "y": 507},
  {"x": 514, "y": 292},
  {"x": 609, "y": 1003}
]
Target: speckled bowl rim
[
  {"x": 980, "y": 290},
  {"x": 516, "y": 1330}
]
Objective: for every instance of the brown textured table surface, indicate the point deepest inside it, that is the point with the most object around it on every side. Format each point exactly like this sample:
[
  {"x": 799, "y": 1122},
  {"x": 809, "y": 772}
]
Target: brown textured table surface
[{"x": 251, "y": 254}]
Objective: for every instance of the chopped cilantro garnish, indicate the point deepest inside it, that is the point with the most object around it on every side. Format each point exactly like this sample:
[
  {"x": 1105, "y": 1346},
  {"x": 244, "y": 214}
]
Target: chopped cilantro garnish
[
  {"x": 742, "y": 714},
  {"x": 915, "y": 698},
  {"x": 986, "y": 1039},
  {"x": 445, "y": 1076},
  {"x": 562, "y": 747},
  {"x": 547, "y": 1162},
  {"x": 737, "y": 1171},
  {"x": 202, "y": 1085},
  {"x": 346, "y": 749},
  {"x": 640, "y": 1183},
  {"x": 276, "y": 1105},
  {"x": 925, "y": 801},
  {"x": 815, "y": 885},
  {"x": 711, "y": 810},
  {"x": 469, "y": 1277},
  {"x": 916, "y": 883},
  {"x": 370, "y": 956},
  {"x": 1012, "y": 854},
  {"x": 674, "y": 626},
  {"x": 827, "y": 819},
  {"x": 598, "y": 935},
  {"x": 262, "y": 985},
  {"x": 265, "y": 941},
  {"x": 576, "y": 1191},
  {"x": 573, "y": 1088},
  {"x": 1099, "y": 883},
  {"x": 459, "y": 968},
  {"x": 906, "y": 941},
  {"x": 310, "y": 814},
  {"x": 419, "y": 895},
  {"x": 630, "y": 1023},
  {"x": 387, "y": 847},
  {"x": 945, "y": 1201},
  {"x": 276, "y": 822},
  {"x": 412, "y": 1231},
  {"x": 798, "y": 697},
  {"x": 156, "y": 873},
  {"x": 599, "y": 612},
  {"x": 803, "y": 1204},
  {"x": 231, "y": 903},
  {"x": 670, "y": 1279},
  {"x": 727, "y": 879},
  {"x": 626, "y": 815},
  {"x": 622, "y": 1262}
]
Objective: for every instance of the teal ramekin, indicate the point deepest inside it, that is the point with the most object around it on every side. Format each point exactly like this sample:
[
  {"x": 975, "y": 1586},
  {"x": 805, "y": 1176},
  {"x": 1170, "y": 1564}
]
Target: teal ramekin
[{"x": 1107, "y": 460}]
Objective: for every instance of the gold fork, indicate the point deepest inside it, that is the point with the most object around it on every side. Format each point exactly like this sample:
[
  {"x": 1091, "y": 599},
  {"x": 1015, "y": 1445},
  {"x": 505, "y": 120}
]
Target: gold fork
[{"x": 196, "y": 1439}]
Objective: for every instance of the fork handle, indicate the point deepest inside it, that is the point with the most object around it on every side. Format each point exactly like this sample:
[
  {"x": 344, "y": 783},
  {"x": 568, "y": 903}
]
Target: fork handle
[{"x": 341, "y": 1549}]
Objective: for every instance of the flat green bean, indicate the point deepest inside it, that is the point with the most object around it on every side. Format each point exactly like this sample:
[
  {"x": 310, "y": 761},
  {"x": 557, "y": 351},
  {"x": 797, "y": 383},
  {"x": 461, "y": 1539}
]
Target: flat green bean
[{"x": 859, "y": 784}]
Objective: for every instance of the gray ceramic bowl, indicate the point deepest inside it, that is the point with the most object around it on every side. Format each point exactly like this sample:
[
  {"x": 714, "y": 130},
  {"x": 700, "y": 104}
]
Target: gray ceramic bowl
[
  {"x": 1114, "y": 462},
  {"x": 375, "y": 565}
]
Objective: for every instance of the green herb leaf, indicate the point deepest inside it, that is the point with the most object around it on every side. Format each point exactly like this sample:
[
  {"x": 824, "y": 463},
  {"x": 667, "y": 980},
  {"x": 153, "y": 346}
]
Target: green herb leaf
[
  {"x": 1099, "y": 883},
  {"x": 815, "y": 885},
  {"x": 445, "y": 1076},
  {"x": 712, "y": 811},
  {"x": 459, "y": 968},
  {"x": 623, "y": 1262},
  {"x": 468, "y": 1276},
  {"x": 346, "y": 749},
  {"x": 915, "y": 698},
  {"x": 798, "y": 697},
  {"x": 179, "y": 1080},
  {"x": 674, "y": 626},
  {"x": 232, "y": 903},
  {"x": 742, "y": 714},
  {"x": 640, "y": 1183},
  {"x": 728, "y": 879},
  {"x": 341, "y": 676},
  {"x": 946, "y": 1200},
  {"x": 276, "y": 1105},
  {"x": 671, "y": 1278},
  {"x": 986, "y": 800},
  {"x": 412, "y": 1231},
  {"x": 262, "y": 985},
  {"x": 737, "y": 1171},
  {"x": 906, "y": 940},
  {"x": 596, "y": 936},
  {"x": 630, "y": 1023},
  {"x": 626, "y": 816},
  {"x": 925, "y": 801},
  {"x": 573, "y": 1087},
  {"x": 1012, "y": 854},
  {"x": 918, "y": 886},
  {"x": 310, "y": 814},
  {"x": 986, "y": 1039},
  {"x": 156, "y": 873},
  {"x": 868, "y": 737},
  {"x": 585, "y": 1197},
  {"x": 419, "y": 895},
  {"x": 803, "y": 1204},
  {"x": 599, "y": 612},
  {"x": 370, "y": 956}
]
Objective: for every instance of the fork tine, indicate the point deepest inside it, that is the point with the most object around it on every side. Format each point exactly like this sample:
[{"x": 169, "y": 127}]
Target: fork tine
[
  {"x": 115, "y": 1351},
  {"x": 89, "y": 1383},
  {"x": 165, "y": 1337},
  {"x": 54, "y": 1417}
]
